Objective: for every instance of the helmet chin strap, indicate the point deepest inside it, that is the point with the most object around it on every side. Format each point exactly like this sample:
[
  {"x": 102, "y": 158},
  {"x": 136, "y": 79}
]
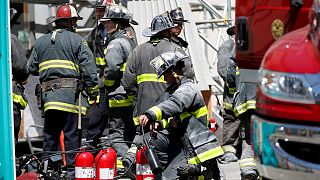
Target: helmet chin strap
[
  {"x": 176, "y": 76},
  {"x": 72, "y": 26}
]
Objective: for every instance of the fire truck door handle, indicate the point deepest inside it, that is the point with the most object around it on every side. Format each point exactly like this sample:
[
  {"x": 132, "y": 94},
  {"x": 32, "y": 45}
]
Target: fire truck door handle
[
  {"x": 242, "y": 33},
  {"x": 296, "y": 3}
]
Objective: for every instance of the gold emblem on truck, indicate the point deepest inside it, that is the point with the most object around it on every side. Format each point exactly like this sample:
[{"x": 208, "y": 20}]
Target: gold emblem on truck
[{"x": 277, "y": 28}]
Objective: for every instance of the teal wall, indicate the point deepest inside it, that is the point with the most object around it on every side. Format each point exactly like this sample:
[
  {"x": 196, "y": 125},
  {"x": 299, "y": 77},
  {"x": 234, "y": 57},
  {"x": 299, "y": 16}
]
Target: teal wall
[{"x": 6, "y": 123}]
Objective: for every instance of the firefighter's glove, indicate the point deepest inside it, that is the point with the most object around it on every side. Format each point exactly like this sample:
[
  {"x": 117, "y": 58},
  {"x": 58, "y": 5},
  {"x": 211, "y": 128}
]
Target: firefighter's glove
[
  {"x": 95, "y": 100},
  {"x": 155, "y": 127},
  {"x": 189, "y": 169},
  {"x": 93, "y": 92}
]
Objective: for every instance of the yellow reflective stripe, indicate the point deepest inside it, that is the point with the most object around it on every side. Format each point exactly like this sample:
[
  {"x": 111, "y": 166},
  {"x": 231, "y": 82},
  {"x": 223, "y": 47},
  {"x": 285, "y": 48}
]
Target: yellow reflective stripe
[
  {"x": 203, "y": 111},
  {"x": 92, "y": 101},
  {"x": 123, "y": 67},
  {"x": 229, "y": 148},
  {"x": 131, "y": 98},
  {"x": 136, "y": 121},
  {"x": 100, "y": 61},
  {"x": 58, "y": 64},
  {"x": 19, "y": 99},
  {"x": 93, "y": 89},
  {"x": 149, "y": 78},
  {"x": 24, "y": 82},
  {"x": 105, "y": 51},
  {"x": 202, "y": 157},
  {"x": 244, "y": 107},
  {"x": 201, "y": 177},
  {"x": 119, "y": 103},
  {"x": 232, "y": 90},
  {"x": 64, "y": 107},
  {"x": 164, "y": 123},
  {"x": 119, "y": 164},
  {"x": 157, "y": 111},
  {"x": 247, "y": 162},
  {"x": 155, "y": 40},
  {"x": 227, "y": 106},
  {"x": 237, "y": 71},
  {"x": 107, "y": 82},
  {"x": 184, "y": 115}
]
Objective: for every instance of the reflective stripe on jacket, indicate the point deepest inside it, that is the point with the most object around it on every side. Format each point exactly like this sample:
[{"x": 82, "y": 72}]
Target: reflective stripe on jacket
[
  {"x": 246, "y": 99},
  {"x": 187, "y": 107},
  {"x": 117, "y": 53},
  {"x": 140, "y": 78},
  {"x": 68, "y": 56},
  {"x": 19, "y": 72}
]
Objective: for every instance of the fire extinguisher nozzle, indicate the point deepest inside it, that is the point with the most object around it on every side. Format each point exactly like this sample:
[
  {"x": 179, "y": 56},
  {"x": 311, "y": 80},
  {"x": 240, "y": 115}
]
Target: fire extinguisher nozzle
[{"x": 153, "y": 160}]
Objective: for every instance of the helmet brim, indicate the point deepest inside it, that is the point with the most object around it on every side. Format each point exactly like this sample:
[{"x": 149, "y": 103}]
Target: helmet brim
[
  {"x": 133, "y": 22},
  {"x": 108, "y": 19},
  {"x": 180, "y": 20},
  {"x": 148, "y": 32},
  {"x": 53, "y": 19}
]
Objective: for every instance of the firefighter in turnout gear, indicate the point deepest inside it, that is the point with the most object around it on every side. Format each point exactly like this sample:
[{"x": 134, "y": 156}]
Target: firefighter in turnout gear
[
  {"x": 192, "y": 147},
  {"x": 66, "y": 67},
  {"x": 97, "y": 115},
  {"x": 244, "y": 107},
  {"x": 242, "y": 104},
  {"x": 140, "y": 79},
  {"x": 119, "y": 46},
  {"x": 228, "y": 71},
  {"x": 19, "y": 78},
  {"x": 178, "y": 19}
]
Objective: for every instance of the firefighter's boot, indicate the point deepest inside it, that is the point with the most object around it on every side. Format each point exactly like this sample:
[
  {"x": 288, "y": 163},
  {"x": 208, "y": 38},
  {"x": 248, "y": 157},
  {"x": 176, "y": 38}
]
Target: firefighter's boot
[
  {"x": 251, "y": 174},
  {"x": 189, "y": 169},
  {"x": 228, "y": 157}
]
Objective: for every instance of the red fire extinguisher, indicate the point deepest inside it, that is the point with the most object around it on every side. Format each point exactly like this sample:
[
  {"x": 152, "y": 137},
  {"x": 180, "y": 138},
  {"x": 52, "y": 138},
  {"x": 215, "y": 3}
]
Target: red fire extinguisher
[
  {"x": 212, "y": 124},
  {"x": 106, "y": 164},
  {"x": 143, "y": 170},
  {"x": 84, "y": 165}
]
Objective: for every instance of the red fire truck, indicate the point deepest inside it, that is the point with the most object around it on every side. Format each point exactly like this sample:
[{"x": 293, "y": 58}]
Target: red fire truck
[{"x": 275, "y": 49}]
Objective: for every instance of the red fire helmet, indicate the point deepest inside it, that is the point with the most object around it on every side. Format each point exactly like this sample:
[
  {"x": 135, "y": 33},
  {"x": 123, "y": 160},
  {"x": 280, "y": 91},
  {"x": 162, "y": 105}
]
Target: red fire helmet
[{"x": 67, "y": 11}]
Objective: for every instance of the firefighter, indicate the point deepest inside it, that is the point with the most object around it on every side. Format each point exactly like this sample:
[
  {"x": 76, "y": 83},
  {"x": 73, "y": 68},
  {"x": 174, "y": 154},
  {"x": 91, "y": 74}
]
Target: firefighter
[
  {"x": 140, "y": 79},
  {"x": 244, "y": 101},
  {"x": 189, "y": 136},
  {"x": 97, "y": 114},
  {"x": 227, "y": 69},
  {"x": 119, "y": 46},
  {"x": 244, "y": 107},
  {"x": 19, "y": 78},
  {"x": 178, "y": 19},
  {"x": 65, "y": 66}
]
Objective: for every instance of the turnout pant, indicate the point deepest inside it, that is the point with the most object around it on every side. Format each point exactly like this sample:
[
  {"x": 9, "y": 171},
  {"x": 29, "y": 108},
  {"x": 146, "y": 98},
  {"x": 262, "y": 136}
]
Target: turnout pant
[
  {"x": 247, "y": 161},
  {"x": 231, "y": 126},
  {"x": 121, "y": 128},
  {"x": 97, "y": 119},
  {"x": 172, "y": 154},
  {"x": 55, "y": 122}
]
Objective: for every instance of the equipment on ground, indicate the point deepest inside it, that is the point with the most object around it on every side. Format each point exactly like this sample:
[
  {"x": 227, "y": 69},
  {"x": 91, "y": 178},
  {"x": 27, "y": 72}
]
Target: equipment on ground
[
  {"x": 143, "y": 169},
  {"x": 106, "y": 161},
  {"x": 84, "y": 165}
]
